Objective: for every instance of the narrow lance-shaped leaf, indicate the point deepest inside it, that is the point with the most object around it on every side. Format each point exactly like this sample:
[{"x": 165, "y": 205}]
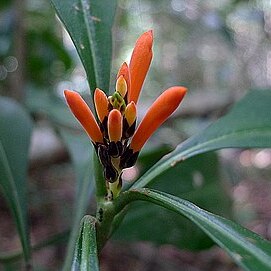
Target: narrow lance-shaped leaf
[
  {"x": 198, "y": 182},
  {"x": 86, "y": 253},
  {"x": 247, "y": 125},
  {"x": 15, "y": 132},
  {"x": 247, "y": 249},
  {"x": 89, "y": 24}
]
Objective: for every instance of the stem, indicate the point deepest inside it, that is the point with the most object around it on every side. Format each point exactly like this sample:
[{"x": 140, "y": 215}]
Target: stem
[
  {"x": 105, "y": 208},
  {"x": 111, "y": 213},
  {"x": 105, "y": 216}
]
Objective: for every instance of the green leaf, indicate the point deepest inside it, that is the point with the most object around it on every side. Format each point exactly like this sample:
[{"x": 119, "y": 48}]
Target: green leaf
[
  {"x": 44, "y": 47},
  {"x": 197, "y": 180},
  {"x": 15, "y": 132},
  {"x": 247, "y": 249},
  {"x": 89, "y": 24},
  {"x": 86, "y": 253},
  {"x": 81, "y": 153},
  {"x": 247, "y": 125}
]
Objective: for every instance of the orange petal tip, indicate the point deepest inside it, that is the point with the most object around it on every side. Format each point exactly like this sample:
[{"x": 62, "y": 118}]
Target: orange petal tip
[
  {"x": 84, "y": 115},
  {"x": 114, "y": 125},
  {"x": 123, "y": 69},
  {"x": 101, "y": 104},
  {"x": 130, "y": 113},
  {"x": 159, "y": 111},
  {"x": 125, "y": 72},
  {"x": 139, "y": 64},
  {"x": 121, "y": 86}
]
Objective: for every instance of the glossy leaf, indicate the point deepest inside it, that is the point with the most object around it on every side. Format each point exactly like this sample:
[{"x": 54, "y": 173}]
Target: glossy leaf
[
  {"x": 44, "y": 47},
  {"x": 86, "y": 253},
  {"x": 247, "y": 249},
  {"x": 15, "y": 132},
  {"x": 89, "y": 24},
  {"x": 247, "y": 125},
  {"x": 197, "y": 180}
]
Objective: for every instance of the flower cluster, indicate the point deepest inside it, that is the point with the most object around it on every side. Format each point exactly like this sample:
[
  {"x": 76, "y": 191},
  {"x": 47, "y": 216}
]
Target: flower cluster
[{"x": 114, "y": 134}]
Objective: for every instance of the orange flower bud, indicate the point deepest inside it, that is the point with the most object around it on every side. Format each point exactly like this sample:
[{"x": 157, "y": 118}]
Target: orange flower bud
[
  {"x": 84, "y": 115},
  {"x": 101, "y": 104},
  {"x": 121, "y": 86},
  {"x": 124, "y": 70},
  {"x": 130, "y": 113},
  {"x": 114, "y": 125},
  {"x": 139, "y": 64},
  {"x": 159, "y": 111}
]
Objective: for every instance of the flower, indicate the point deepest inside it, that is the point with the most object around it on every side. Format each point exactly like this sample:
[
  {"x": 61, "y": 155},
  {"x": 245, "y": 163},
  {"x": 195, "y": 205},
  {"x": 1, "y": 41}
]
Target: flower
[{"x": 114, "y": 134}]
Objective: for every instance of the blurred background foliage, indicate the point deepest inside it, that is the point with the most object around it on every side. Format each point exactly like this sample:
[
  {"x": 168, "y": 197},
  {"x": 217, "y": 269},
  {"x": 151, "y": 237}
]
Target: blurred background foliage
[{"x": 218, "y": 49}]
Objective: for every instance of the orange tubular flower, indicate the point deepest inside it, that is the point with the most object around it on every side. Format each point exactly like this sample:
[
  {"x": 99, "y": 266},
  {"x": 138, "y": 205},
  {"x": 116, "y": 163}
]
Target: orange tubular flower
[
  {"x": 160, "y": 110},
  {"x": 125, "y": 72},
  {"x": 121, "y": 86},
  {"x": 84, "y": 115},
  {"x": 139, "y": 64},
  {"x": 130, "y": 113},
  {"x": 115, "y": 125},
  {"x": 115, "y": 137},
  {"x": 101, "y": 104}
]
